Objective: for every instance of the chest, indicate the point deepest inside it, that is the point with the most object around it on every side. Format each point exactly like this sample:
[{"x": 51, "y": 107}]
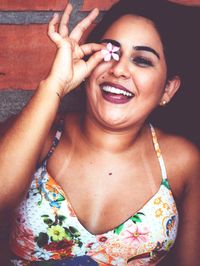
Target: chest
[
  {"x": 105, "y": 192},
  {"x": 150, "y": 230}
]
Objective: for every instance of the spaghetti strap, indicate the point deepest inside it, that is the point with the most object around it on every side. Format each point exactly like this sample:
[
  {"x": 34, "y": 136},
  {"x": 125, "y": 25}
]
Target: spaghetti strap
[
  {"x": 158, "y": 152},
  {"x": 55, "y": 142},
  {"x": 46, "y": 213}
]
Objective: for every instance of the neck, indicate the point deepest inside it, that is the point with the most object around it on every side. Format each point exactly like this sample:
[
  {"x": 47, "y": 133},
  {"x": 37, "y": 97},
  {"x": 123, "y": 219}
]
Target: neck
[{"x": 113, "y": 141}]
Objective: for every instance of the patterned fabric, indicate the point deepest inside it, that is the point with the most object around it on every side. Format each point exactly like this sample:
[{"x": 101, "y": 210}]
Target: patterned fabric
[{"x": 47, "y": 229}]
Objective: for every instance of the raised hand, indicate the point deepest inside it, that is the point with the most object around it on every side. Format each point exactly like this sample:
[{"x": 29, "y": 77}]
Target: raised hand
[
  {"x": 33, "y": 124},
  {"x": 69, "y": 68}
]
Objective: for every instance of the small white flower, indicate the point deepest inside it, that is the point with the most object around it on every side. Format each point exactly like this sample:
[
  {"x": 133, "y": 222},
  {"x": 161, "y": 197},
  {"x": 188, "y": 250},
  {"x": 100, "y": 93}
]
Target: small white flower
[
  {"x": 42, "y": 253},
  {"x": 110, "y": 52}
]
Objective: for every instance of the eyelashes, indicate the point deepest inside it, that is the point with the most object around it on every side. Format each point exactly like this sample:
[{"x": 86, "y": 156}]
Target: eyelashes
[{"x": 142, "y": 61}]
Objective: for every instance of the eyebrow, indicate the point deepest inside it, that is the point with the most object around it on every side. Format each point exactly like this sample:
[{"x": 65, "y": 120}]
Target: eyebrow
[
  {"x": 146, "y": 48},
  {"x": 116, "y": 43},
  {"x": 137, "y": 48}
]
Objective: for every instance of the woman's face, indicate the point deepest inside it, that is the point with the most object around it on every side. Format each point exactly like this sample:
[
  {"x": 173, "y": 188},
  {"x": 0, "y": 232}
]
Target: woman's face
[{"x": 123, "y": 93}]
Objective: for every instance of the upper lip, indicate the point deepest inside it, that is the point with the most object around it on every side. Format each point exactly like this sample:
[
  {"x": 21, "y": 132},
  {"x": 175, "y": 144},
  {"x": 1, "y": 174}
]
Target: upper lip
[{"x": 118, "y": 86}]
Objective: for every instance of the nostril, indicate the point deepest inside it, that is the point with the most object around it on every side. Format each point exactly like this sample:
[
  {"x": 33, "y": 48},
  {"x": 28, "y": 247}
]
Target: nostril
[{"x": 120, "y": 69}]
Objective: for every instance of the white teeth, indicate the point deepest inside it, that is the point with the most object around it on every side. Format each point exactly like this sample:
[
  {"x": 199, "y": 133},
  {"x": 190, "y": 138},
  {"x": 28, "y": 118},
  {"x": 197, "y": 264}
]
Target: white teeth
[{"x": 116, "y": 91}]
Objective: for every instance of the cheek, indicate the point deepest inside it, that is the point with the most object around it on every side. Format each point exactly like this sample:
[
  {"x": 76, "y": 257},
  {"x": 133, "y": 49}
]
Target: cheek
[
  {"x": 99, "y": 73},
  {"x": 148, "y": 83}
]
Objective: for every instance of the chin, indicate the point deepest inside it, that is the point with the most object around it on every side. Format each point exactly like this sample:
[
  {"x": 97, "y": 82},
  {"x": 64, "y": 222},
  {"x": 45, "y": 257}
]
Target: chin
[{"x": 114, "y": 121}]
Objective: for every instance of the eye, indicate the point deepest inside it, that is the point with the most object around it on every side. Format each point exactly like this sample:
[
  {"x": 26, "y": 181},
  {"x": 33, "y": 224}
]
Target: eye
[{"x": 142, "y": 61}]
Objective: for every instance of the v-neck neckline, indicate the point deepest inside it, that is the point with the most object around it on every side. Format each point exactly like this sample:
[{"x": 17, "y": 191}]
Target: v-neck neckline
[
  {"x": 147, "y": 202},
  {"x": 75, "y": 215}
]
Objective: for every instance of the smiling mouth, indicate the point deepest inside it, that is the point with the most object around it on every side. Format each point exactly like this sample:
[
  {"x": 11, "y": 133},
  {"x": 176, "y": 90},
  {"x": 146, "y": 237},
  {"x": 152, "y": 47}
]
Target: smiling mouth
[{"x": 115, "y": 93}]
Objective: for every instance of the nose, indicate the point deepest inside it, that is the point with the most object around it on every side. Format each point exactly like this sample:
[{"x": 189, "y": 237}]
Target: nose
[{"x": 120, "y": 68}]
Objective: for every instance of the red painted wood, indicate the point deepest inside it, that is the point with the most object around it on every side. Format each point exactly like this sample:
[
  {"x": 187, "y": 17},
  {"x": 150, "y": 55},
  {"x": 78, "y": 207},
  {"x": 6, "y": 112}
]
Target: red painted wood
[
  {"x": 87, "y": 33},
  {"x": 26, "y": 55},
  {"x": 102, "y": 5},
  {"x": 22, "y": 5}
]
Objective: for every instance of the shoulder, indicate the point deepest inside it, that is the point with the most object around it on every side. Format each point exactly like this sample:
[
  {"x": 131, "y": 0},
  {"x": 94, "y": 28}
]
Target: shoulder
[
  {"x": 183, "y": 151},
  {"x": 182, "y": 159}
]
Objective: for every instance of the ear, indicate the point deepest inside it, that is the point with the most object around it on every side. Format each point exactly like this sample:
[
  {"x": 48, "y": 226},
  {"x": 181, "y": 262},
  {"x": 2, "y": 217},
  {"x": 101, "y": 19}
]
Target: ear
[{"x": 171, "y": 88}]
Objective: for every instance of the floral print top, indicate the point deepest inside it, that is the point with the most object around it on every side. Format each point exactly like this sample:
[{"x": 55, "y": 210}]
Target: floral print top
[{"x": 47, "y": 229}]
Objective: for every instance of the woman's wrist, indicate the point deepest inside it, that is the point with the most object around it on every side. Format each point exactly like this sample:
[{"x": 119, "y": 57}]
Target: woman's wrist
[{"x": 51, "y": 87}]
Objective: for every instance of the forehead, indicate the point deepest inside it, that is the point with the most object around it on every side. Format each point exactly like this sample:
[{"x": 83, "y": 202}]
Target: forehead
[{"x": 134, "y": 30}]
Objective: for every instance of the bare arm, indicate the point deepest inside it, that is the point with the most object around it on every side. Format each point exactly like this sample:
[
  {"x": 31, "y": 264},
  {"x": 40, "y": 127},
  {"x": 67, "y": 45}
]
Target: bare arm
[
  {"x": 21, "y": 146},
  {"x": 187, "y": 248}
]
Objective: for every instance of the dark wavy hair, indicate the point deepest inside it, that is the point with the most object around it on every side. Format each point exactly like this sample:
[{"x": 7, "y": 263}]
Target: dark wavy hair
[
  {"x": 178, "y": 28},
  {"x": 164, "y": 16}
]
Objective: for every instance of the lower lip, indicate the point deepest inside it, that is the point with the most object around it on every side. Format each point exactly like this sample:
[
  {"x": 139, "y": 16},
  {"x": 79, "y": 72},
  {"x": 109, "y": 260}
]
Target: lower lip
[{"x": 115, "y": 98}]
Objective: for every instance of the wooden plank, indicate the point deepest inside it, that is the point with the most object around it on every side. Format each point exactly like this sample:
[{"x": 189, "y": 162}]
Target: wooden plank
[
  {"x": 26, "y": 55},
  {"x": 102, "y": 5},
  {"x": 23, "y": 5}
]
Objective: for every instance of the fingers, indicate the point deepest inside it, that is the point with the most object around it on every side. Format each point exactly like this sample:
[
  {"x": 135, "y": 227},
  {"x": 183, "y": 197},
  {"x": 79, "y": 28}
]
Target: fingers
[
  {"x": 55, "y": 37},
  {"x": 58, "y": 37},
  {"x": 93, "y": 61},
  {"x": 78, "y": 31},
  {"x": 63, "y": 29},
  {"x": 90, "y": 48}
]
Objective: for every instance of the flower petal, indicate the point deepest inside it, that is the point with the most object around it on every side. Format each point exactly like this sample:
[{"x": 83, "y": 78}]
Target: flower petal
[
  {"x": 115, "y": 56},
  {"x": 115, "y": 48},
  {"x": 104, "y": 52},
  {"x": 107, "y": 57},
  {"x": 143, "y": 230},
  {"x": 109, "y": 46}
]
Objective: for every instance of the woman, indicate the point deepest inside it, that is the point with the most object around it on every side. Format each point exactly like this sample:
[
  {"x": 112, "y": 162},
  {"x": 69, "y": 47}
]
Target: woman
[{"x": 111, "y": 189}]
